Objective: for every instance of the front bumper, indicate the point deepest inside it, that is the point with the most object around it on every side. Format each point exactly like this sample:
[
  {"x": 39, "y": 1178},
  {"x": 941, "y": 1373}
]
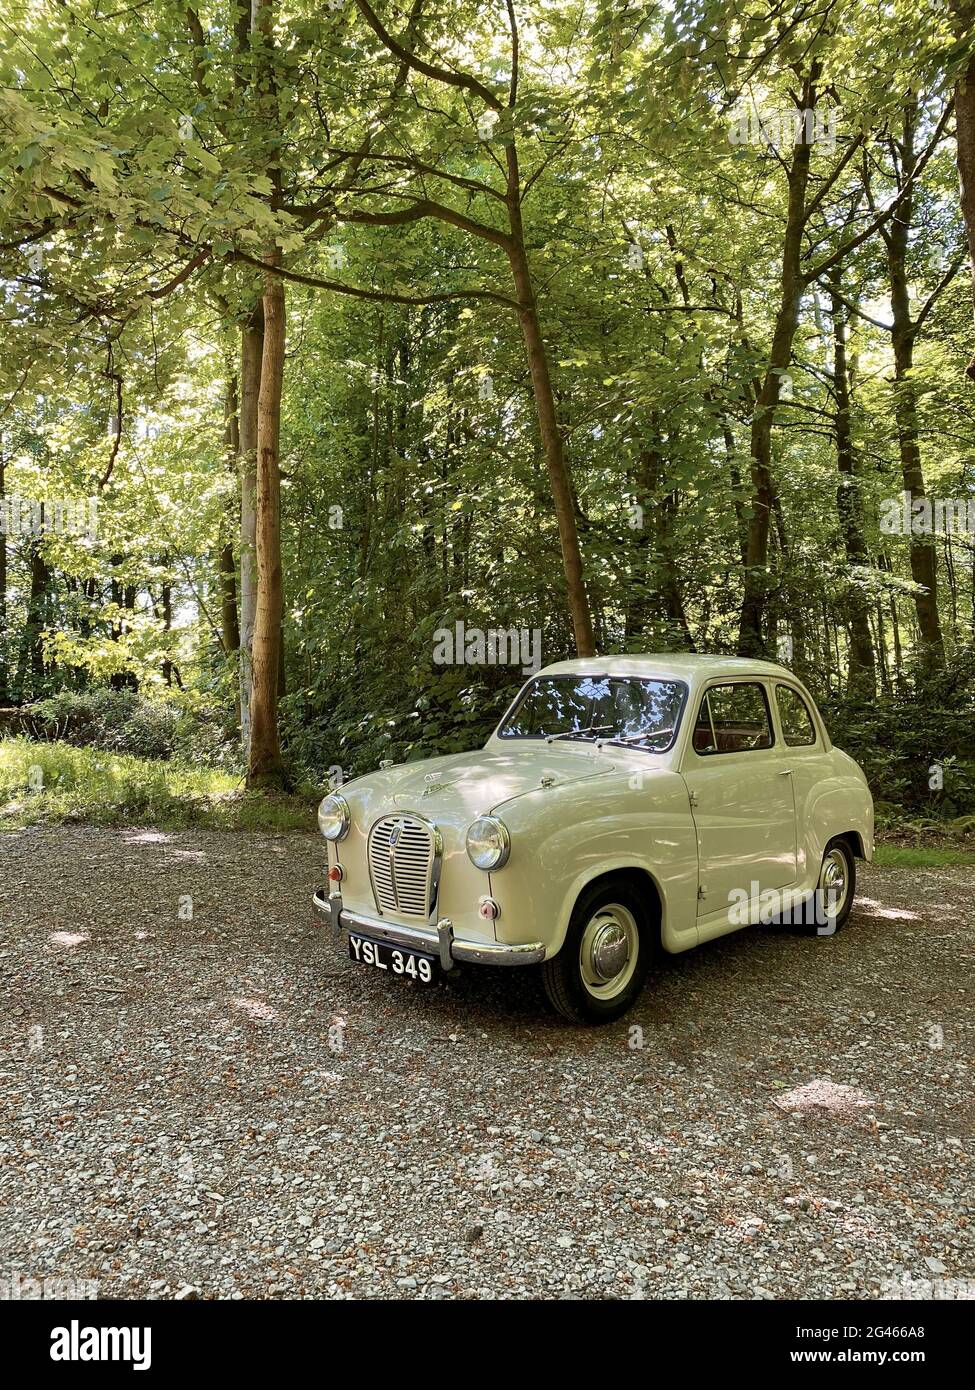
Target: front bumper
[{"x": 436, "y": 941}]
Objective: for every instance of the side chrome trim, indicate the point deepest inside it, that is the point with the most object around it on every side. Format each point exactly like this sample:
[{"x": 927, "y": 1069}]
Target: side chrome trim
[{"x": 439, "y": 941}]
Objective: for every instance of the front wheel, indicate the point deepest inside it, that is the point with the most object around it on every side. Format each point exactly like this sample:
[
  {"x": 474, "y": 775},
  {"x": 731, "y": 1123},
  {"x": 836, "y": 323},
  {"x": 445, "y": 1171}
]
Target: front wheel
[{"x": 605, "y": 957}]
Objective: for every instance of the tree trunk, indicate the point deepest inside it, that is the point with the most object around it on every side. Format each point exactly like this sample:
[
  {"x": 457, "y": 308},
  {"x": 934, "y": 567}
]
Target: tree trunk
[
  {"x": 4, "y": 693},
  {"x": 251, "y": 353},
  {"x": 963, "y": 18},
  {"x": 656, "y": 569},
  {"x": 751, "y": 641},
  {"x": 265, "y": 767},
  {"x": 167, "y": 622},
  {"x": 229, "y": 624},
  {"x": 862, "y": 673},
  {"x": 548, "y": 423},
  {"x": 29, "y": 677},
  {"x": 924, "y": 562}
]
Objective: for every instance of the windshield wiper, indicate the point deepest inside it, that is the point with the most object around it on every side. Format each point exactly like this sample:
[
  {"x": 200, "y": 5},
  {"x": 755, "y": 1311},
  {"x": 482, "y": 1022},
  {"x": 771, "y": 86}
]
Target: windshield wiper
[
  {"x": 637, "y": 738},
  {"x": 590, "y": 732}
]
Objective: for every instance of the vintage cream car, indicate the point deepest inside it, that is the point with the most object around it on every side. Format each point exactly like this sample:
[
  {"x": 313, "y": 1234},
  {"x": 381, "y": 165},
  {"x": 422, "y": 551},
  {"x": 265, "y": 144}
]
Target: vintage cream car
[{"x": 623, "y": 805}]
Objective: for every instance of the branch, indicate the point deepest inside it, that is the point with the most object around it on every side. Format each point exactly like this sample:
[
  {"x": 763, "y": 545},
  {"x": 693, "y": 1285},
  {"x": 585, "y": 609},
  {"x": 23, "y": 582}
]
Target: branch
[
  {"x": 199, "y": 40},
  {"x": 853, "y": 309},
  {"x": 384, "y": 296},
  {"x": 513, "y": 85},
  {"x": 887, "y": 212},
  {"x": 411, "y": 162},
  {"x": 116, "y": 442},
  {"x": 834, "y": 176},
  {"x": 423, "y": 207},
  {"x": 182, "y": 275},
  {"x": 943, "y": 284},
  {"x": 452, "y": 79}
]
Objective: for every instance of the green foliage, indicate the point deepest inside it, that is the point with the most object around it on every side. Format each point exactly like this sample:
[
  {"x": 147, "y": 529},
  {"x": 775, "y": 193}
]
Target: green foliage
[
  {"x": 135, "y": 191},
  {"x": 119, "y": 721},
  {"x": 125, "y": 721},
  {"x": 917, "y": 747},
  {"x": 54, "y": 783}
]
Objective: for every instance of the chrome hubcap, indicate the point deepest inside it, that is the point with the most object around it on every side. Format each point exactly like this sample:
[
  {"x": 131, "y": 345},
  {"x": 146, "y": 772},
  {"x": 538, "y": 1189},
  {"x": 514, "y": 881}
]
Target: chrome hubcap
[
  {"x": 833, "y": 883},
  {"x": 608, "y": 951}
]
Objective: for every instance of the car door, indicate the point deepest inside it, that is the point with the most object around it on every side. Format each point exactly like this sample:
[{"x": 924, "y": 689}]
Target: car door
[
  {"x": 741, "y": 794},
  {"x": 803, "y": 748}
]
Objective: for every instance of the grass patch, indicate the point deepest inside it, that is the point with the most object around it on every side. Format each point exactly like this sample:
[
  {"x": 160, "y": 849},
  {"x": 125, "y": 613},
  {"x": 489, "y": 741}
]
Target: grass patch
[
  {"x": 921, "y": 856},
  {"x": 58, "y": 784},
  {"x": 55, "y": 784}
]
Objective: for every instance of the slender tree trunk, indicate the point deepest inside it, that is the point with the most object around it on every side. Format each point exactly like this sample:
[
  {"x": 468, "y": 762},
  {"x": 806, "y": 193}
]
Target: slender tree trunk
[
  {"x": 737, "y": 490},
  {"x": 251, "y": 354},
  {"x": 167, "y": 621},
  {"x": 862, "y": 673},
  {"x": 123, "y": 597},
  {"x": 548, "y": 423},
  {"x": 751, "y": 641},
  {"x": 229, "y": 629},
  {"x": 29, "y": 675},
  {"x": 952, "y": 584},
  {"x": 656, "y": 575},
  {"x": 924, "y": 556},
  {"x": 885, "y": 563},
  {"x": 229, "y": 623},
  {"x": 963, "y": 17},
  {"x": 882, "y": 647},
  {"x": 4, "y": 692},
  {"x": 265, "y": 767}
]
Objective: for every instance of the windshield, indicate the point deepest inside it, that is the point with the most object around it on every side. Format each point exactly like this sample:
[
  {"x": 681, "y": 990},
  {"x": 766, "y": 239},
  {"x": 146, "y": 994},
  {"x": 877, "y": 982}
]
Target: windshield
[{"x": 613, "y": 709}]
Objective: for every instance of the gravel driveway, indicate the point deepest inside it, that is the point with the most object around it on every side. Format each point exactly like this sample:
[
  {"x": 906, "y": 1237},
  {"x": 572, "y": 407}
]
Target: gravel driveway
[{"x": 202, "y": 1097}]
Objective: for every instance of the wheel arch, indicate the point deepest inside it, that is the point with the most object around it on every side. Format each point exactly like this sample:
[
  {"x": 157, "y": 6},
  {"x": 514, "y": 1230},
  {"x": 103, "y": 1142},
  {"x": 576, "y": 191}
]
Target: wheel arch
[
  {"x": 855, "y": 841},
  {"x": 638, "y": 877}
]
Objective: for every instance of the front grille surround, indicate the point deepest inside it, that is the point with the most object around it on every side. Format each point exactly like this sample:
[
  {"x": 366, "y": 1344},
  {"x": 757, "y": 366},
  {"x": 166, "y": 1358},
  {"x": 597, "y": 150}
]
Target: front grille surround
[{"x": 405, "y": 876}]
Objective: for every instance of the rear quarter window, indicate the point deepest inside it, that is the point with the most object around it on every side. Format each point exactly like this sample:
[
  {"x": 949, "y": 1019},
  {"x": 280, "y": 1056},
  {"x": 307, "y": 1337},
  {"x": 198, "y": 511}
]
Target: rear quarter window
[{"x": 798, "y": 729}]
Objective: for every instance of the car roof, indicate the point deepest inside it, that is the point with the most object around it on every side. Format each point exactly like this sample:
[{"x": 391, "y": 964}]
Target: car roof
[{"x": 669, "y": 665}]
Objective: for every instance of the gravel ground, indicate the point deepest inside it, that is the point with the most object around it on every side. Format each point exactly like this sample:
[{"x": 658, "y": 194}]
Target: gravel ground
[{"x": 202, "y": 1097}]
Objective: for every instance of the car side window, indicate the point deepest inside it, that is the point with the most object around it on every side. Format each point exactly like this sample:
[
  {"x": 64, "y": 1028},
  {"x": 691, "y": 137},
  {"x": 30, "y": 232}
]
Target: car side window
[
  {"x": 733, "y": 719},
  {"x": 798, "y": 729}
]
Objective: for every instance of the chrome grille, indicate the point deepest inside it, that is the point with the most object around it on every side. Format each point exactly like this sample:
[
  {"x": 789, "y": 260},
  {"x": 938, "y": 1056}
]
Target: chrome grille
[{"x": 403, "y": 860}]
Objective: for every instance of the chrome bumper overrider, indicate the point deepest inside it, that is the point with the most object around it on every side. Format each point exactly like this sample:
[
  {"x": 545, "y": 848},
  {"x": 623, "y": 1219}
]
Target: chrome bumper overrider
[{"x": 436, "y": 941}]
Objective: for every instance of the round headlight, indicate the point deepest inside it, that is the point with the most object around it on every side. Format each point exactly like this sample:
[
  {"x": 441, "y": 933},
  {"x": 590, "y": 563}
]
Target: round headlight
[
  {"x": 488, "y": 843},
  {"x": 334, "y": 817}
]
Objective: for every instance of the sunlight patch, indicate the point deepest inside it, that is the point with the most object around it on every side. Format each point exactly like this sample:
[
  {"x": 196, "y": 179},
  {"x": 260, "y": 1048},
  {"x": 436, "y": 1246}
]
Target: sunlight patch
[
  {"x": 825, "y": 1096},
  {"x": 872, "y": 908},
  {"x": 257, "y": 1009},
  {"x": 67, "y": 938}
]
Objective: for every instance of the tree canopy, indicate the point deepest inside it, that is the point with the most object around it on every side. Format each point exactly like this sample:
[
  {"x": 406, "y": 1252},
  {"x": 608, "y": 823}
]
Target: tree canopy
[{"x": 643, "y": 327}]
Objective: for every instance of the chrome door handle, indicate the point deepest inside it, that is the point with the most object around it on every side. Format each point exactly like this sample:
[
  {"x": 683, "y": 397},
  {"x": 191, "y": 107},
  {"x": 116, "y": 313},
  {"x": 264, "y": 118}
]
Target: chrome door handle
[{"x": 787, "y": 772}]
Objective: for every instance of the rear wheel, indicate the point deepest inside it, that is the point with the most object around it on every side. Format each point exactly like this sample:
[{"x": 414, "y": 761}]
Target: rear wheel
[
  {"x": 605, "y": 957},
  {"x": 837, "y": 885}
]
